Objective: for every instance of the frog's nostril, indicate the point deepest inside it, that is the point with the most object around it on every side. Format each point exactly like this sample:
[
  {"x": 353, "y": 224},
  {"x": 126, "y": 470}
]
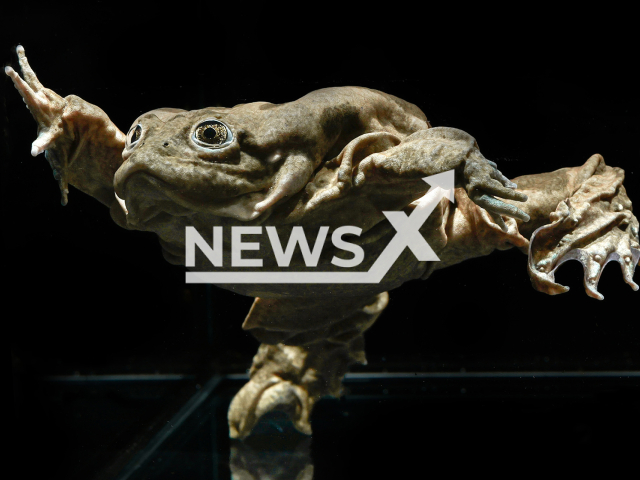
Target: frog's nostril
[{"x": 166, "y": 144}]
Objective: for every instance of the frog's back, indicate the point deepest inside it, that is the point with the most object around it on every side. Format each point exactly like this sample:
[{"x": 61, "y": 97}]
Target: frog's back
[
  {"x": 327, "y": 119},
  {"x": 376, "y": 110}
]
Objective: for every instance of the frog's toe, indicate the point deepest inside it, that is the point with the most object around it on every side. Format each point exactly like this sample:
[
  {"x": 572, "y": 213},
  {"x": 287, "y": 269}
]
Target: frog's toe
[
  {"x": 495, "y": 206},
  {"x": 499, "y": 221},
  {"x": 45, "y": 140}
]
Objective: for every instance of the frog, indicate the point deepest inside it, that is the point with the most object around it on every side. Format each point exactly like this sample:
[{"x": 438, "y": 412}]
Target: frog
[{"x": 339, "y": 156}]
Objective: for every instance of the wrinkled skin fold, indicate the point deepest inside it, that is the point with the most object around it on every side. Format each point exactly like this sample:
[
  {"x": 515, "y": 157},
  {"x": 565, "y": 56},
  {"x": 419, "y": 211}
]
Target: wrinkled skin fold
[{"x": 335, "y": 157}]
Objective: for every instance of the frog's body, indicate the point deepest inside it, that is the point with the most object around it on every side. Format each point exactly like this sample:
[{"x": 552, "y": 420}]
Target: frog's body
[
  {"x": 280, "y": 168},
  {"x": 335, "y": 157}
]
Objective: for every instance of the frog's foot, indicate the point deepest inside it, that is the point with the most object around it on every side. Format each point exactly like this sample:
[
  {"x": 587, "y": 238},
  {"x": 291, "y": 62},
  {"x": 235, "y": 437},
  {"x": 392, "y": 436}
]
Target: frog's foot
[
  {"x": 484, "y": 182},
  {"x": 292, "y": 379},
  {"x": 274, "y": 385},
  {"x": 594, "y": 226}
]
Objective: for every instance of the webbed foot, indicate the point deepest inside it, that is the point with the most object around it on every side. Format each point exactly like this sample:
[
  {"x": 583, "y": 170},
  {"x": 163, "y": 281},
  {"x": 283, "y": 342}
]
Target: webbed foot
[
  {"x": 594, "y": 226},
  {"x": 291, "y": 379},
  {"x": 281, "y": 380}
]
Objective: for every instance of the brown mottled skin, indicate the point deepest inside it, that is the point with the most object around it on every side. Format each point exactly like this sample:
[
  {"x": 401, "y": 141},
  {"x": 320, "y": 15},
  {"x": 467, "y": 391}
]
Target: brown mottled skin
[{"x": 335, "y": 157}]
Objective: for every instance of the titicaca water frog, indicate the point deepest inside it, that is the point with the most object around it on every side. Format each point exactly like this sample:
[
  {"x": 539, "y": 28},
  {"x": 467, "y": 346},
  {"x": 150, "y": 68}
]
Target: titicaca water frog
[{"x": 336, "y": 157}]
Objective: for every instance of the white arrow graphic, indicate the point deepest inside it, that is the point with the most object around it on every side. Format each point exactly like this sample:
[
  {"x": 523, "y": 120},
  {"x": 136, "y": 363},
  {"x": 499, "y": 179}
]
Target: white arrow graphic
[{"x": 407, "y": 235}]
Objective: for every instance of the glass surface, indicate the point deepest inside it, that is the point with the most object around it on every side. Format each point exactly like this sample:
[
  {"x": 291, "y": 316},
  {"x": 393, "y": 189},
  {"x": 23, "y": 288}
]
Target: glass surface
[{"x": 397, "y": 422}]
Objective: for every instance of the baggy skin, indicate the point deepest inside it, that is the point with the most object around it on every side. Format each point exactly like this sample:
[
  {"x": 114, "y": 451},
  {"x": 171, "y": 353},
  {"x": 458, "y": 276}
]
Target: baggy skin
[{"x": 335, "y": 157}]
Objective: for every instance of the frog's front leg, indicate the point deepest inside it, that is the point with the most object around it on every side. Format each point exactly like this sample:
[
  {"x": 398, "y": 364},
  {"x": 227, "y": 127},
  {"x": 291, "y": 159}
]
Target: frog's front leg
[
  {"x": 82, "y": 145},
  {"x": 308, "y": 345},
  {"x": 436, "y": 150}
]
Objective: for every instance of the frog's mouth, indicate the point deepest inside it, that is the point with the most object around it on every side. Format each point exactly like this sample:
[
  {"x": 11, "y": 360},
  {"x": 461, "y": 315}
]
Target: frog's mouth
[
  {"x": 146, "y": 201},
  {"x": 144, "y": 197},
  {"x": 145, "y": 188}
]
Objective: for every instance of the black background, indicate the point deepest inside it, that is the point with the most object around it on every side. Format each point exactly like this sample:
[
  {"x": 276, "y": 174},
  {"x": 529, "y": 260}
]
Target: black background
[{"x": 83, "y": 295}]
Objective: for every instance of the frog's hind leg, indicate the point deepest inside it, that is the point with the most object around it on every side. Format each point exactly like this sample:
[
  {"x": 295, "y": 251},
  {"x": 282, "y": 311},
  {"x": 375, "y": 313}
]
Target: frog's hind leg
[
  {"x": 308, "y": 346},
  {"x": 580, "y": 213}
]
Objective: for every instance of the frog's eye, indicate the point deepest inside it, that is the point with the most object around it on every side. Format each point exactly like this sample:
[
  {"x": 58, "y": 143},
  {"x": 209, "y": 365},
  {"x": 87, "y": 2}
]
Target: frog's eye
[
  {"x": 212, "y": 134},
  {"x": 135, "y": 134}
]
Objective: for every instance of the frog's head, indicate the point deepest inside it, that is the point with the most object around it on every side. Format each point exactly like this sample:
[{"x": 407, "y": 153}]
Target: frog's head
[{"x": 226, "y": 161}]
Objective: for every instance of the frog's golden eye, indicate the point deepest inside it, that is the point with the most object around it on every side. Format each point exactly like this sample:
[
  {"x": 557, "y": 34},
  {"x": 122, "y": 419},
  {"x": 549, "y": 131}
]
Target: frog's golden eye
[
  {"x": 135, "y": 135},
  {"x": 212, "y": 134}
]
